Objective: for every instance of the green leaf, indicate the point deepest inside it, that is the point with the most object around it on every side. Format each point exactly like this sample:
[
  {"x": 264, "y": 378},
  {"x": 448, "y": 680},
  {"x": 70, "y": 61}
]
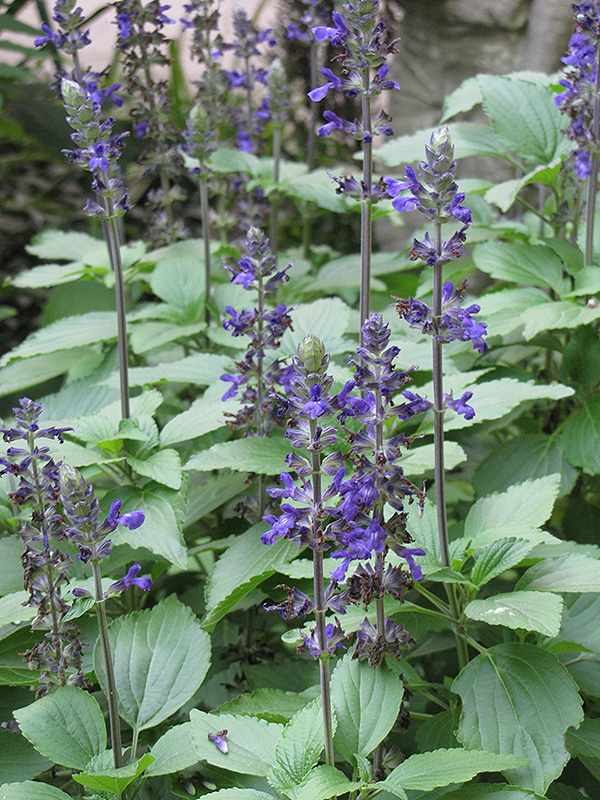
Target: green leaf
[
  {"x": 461, "y": 100},
  {"x": 420, "y": 459},
  {"x": 585, "y": 742},
  {"x": 76, "y": 331},
  {"x": 179, "y": 281},
  {"x": 581, "y": 437},
  {"x": 19, "y": 761},
  {"x": 532, "y": 611},
  {"x": 174, "y": 751},
  {"x": 503, "y": 310},
  {"x": 318, "y": 188},
  {"x": 570, "y": 573},
  {"x": 161, "y": 656},
  {"x": 114, "y": 781},
  {"x": 556, "y": 315},
  {"x": 161, "y": 531},
  {"x": 523, "y": 116},
  {"x": 491, "y": 791},
  {"x": 504, "y": 194},
  {"x": 13, "y": 609},
  {"x": 528, "y": 503},
  {"x": 527, "y": 457},
  {"x": 146, "y": 336},
  {"x": 580, "y": 621},
  {"x": 273, "y": 705},
  {"x": 519, "y": 699},
  {"x": 31, "y": 790},
  {"x": 66, "y": 726},
  {"x": 427, "y": 771},
  {"x": 299, "y": 748},
  {"x": 35, "y": 370},
  {"x": 242, "y": 567},
  {"x": 537, "y": 265},
  {"x": 366, "y": 702},
  {"x": 327, "y": 318},
  {"x": 206, "y": 414},
  {"x": 587, "y": 281},
  {"x": 251, "y": 742},
  {"x": 468, "y": 138},
  {"x": 63, "y": 245},
  {"x": 438, "y": 731},
  {"x": 240, "y": 794},
  {"x": 201, "y": 369},
  {"x": 498, "y": 557},
  {"x": 163, "y": 467},
  {"x": 229, "y": 159},
  {"x": 262, "y": 455},
  {"x": 324, "y": 782},
  {"x": 18, "y": 676}
]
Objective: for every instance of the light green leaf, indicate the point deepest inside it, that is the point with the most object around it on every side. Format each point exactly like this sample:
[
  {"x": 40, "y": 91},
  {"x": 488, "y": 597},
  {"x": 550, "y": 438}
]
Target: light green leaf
[
  {"x": 240, "y": 794},
  {"x": 461, "y": 100},
  {"x": 526, "y": 457},
  {"x": 174, "y": 751},
  {"x": 420, "y": 459},
  {"x": 262, "y": 455},
  {"x": 327, "y": 318},
  {"x": 251, "y": 742},
  {"x": 556, "y": 315},
  {"x": 114, "y": 781},
  {"x": 241, "y": 568},
  {"x": 537, "y": 265},
  {"x": 179, "y": 281},
  {"x": 570, "y": 573},
  {"x": 532, "y": 611},
  {"x": 580, "y": 621},
  {"x": 498, "y": 557},
  {"x": 76, "y": 331},
  {"x": 201, "y": 369},
  {"x": 19, "y": 761},
  {"x": 581, "y": 437},
  {"x": 585, "y": 742},
  {"x": 324, "y": 782},
  {"x": 508, "y": 530},
  {"x": 13, "y": 609},
  {"x": 161, "y": 531},
  {"x": 146, "y": 336},
  {"x": 203, "y": 416},
  {"x": 427, "y": 771},
  {"x": 366, "y": 703},
  {"x": 523, "y": 116},
  {"x": 273, "y": 705},
  {"x": 31, "y": 790},
  {"x": 66, "y": 726},
  {"x": 318, "y": 188},
  {"x": 37, "y": 369},
  {"x": 163, "y": 467},
  {"x": 529, "y": 503},
  {"x": 299, "y": 748},
  {"x": 519, "y": 699},
  {"x": 48, "y": 275},
  {"x": 63, "y": 245},
  {"x": 492, "y": 791},
  {"x": 504, "y": 194},
  {"x": 468, "y": 138},
  {"x": 587, "y": 281},
  {"x": 161, "y": 656},
  {"x": 503, "y": 310},
  {"x": 344, "y": 272},
  {"x": 229, "y": 159},
  {"x": 17, "y": 676}
]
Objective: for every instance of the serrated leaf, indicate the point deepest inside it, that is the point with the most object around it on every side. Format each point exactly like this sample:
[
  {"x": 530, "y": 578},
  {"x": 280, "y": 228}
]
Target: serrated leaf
[
  {"x": 585, "y": 741},
  {"x": 504, "y": 194},
  {"x": 18, "y": 676},
  {"x": 66, "y": 726},
  {"x": 240, "y": 794},
  {"x": 161, "y": 531},
  {"x": 580, "y": 621},
  {"x": 318, "y": 188},
  {"x": 201, "y": 369},
  {"x": 63, "y": 245},
  {"x": 179, "y": 281},
  {"x": 31, "y": 790},
  {"x": 299, "y": 748},
  {"x": 76, "y": 331},
  {"x": 557, "y": 315},
  {"x": 262, "y": 455},
  {"x": 161, "y": 656},
  {"x": 492, "y": 791},
  {"x": 324, "y": 782},
  {"x": 163, "y": 467},
  {"x": 523, "y": 116},
  {"x": 114, "y": 781},
  {"x": 251, "y": 742},
  {"x": 427, "y": 771},
  {"x": 37, "y": 369},
  {"x": 19, "y": 761},
  {"x": 498, "y": 557},
  {"x": 14, "y": 609},
  {"x": 203, "y": 416},
  {"x": 581, "y": 437},
  {"x": 327, "y": 318},
  {"x": 366, "y": 703},
  {"x": 537, "y": 265},
  {"x": 570, "y": 573},
  {"x": 468, "y": 138},
  {"x": 503, "y": 310},
  {"x": 465, "y": 98},
  {"x": 146, "y": 336},
  {"x": 519, "y": 699},
  {"x": 528, "y": 503},
  {"x": 526, "y": 457},
  {"x": 240, "y": 569},
  {"x": 174, "y": 751},
  {"x": 273, "y": 705},
  {"x": 421, "y": 458},
  {"x": 532, "y": 611}
]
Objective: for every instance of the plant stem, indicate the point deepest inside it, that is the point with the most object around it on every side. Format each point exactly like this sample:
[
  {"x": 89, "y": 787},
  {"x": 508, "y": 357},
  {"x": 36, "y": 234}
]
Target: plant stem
[
  {"x": 111, "y": 689},
  {"x": 366, "y": 208},
  {"x": 320, "y": 607},
  {"x": 590, "y": 210},
  {"x": 260, "y": 390},
  {"x": 114, "y": 253},
  {"x": 275, "y": 194},
  {"x": 438, "y": 447},
  {"x": 204, "y": 212}
]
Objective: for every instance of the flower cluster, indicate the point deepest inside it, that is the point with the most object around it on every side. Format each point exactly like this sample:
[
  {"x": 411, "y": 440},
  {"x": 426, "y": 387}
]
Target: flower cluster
[
  {"x": 257, "y": 271},
  {"x": 315, "y": 12},
  {"x": 143, "y": 45},
  {"x": 579, "y": 82},
  {"x": 248, "y": 120},
  {"x": 97, "y": 150},
  {"x": 455, "y": 324},
  {"x": 357, "y": 31},
  {"x": 58, "y": 655}
]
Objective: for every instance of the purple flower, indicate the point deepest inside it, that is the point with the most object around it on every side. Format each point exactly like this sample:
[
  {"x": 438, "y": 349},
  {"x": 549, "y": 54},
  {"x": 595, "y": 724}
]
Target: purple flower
[
  {"x": 336, "y": 35},
  {"x": 315, "y": 406},
  {"x": 129, "y": 580},
  {"x": 333, "y": 638},
  {"x": 220, "y": 740},
  {"x": 131, "y": 520},
  {"x": 460, "y": 404},
  {"x": 408, "y": 553}
]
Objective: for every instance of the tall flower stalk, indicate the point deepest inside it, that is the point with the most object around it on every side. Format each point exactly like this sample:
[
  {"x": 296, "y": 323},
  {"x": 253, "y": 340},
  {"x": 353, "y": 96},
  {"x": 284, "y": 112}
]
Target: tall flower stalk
[
  {"x": 435, "y": 194},
  {"x": 278, "y": 109},
  {"x": 581, "y": 101},
  {"x": 364, "y": 72}
]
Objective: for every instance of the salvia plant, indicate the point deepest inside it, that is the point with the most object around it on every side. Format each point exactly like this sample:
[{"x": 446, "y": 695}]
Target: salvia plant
[{"x": 323, "y": 523}]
